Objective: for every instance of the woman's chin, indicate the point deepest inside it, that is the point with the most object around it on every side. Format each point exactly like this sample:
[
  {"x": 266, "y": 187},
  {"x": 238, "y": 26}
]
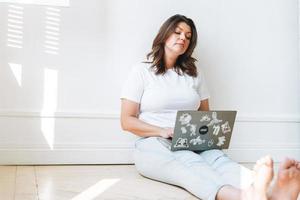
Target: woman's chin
[
  {"x": 176, "y": 51},
  {"x": 179, "y": 51}
]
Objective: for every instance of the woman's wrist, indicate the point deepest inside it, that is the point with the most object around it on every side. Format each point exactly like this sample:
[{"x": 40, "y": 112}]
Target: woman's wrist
[
  {"x": 162, "y": 132},
  {"x": 166, "y": 132}
]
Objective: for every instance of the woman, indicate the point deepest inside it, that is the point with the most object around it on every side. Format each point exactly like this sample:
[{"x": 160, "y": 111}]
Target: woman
[{"x": 153, "y": 93}]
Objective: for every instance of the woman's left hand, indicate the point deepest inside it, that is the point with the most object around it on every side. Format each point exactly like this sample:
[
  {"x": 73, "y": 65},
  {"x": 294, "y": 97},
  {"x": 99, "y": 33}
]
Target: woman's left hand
[{"x": 167, "y": 132}]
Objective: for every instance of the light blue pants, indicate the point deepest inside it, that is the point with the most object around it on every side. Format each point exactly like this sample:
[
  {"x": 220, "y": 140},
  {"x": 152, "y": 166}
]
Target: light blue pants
[{"x": 202, "y": 174}]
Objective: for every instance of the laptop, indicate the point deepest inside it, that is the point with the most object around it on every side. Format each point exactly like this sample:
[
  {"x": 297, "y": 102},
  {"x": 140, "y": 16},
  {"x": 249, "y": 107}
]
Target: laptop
[{"x": 202, "y": 130}]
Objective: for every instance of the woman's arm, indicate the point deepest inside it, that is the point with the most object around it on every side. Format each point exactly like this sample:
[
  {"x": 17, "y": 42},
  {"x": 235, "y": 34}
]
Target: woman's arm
[
  {"x": 204, "y": 105},
  {"x": 130, "y": 122}
]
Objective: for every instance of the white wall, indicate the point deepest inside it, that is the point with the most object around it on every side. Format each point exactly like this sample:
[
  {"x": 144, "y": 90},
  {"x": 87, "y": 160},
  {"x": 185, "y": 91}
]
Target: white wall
[{"x": 62, "y": 68}]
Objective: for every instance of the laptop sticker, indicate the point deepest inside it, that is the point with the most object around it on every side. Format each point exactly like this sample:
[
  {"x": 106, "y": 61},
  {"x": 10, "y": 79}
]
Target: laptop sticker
[
  {"x": 210, "y": 143},
  {"x": 185, "y": 118},
  {"x": 216, "y": 129},
  {"x": 193, "y": 129},
  {"x": 203, "y": 130},
  {"x": 225, "y": 127},
  {"x": 221, "y": 141},
  {"x": 197, "y": 140},
  {"x": 205, "y": 118},
  {"x": 214, "y": 120},
  {"x": 183, "y": 130},
  {"x": 181, "y": 143}
]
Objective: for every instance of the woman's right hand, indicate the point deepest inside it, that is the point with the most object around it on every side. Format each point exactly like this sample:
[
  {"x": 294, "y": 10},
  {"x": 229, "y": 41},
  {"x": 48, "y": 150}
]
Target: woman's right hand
[{"x": 167, "y": 132}]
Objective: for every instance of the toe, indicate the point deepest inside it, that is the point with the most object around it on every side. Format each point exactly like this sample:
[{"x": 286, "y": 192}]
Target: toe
[
  {"x": 262, "y": 160},
  {"x": 256, "y": 167},
  {"x": 298, "y": 165},
  {"x": 269, "y": 161},
  {"x": 287, "y": 163}
]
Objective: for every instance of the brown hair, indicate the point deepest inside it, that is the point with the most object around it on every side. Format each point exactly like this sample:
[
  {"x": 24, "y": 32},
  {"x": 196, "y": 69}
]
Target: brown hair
[{"x": 185, "y": 62}]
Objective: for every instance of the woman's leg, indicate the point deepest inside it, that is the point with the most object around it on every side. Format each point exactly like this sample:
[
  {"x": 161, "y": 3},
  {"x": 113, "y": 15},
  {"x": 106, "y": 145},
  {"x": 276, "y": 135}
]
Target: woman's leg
[
  {"x": 182, "y": 168},
  {"x": 263, "y": 174},
  {"x": 190, "y": 171},
  {"x": 286, "y": 186},
  {"x": 230, "y": 172},
  {"x": 228, "y": 192}
]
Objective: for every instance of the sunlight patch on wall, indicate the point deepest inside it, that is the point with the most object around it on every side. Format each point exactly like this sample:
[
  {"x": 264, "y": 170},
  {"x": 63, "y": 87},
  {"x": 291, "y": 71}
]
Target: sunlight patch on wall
[
  {"x": 49, "y": 106},
  {"x": 52, "y": 29},
  {"x": 15, "y": 26},
  {"x": 17, "y": 71},
  {"x": 93, "y": 191},
  {"x": 40, "y": 2}
]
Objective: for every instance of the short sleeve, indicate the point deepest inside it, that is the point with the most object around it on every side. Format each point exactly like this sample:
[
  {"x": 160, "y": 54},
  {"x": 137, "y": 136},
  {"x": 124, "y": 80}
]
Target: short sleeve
[
  {"x": 133, "y": 87},
  {"x": 202, "y": 87}
]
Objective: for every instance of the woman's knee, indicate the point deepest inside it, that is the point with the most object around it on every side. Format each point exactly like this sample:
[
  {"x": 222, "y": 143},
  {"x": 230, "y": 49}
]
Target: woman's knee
[
  {"x": 188, "y": 158},
  {"x": 213, "y": 156},
  {"x": 158, "y": 167}
]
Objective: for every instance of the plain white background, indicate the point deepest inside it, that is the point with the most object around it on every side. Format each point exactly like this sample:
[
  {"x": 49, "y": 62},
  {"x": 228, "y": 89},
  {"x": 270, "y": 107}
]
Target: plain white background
[{"x": 62, "y": 69}]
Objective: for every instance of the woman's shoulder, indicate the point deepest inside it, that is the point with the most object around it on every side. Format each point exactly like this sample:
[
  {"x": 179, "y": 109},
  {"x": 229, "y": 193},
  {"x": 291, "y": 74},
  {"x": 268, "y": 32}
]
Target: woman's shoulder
[
  {"x": 199, "y": 71},
  {"x": 200, "y": 75}
]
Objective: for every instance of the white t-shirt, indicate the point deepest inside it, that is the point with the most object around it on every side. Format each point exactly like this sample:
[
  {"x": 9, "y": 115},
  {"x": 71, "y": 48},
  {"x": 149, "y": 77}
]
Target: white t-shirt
[{"x": 161, "y": 96}]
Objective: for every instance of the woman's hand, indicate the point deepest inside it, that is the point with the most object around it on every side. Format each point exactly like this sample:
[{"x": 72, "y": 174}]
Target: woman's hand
[{"x": 167, "y": 132}]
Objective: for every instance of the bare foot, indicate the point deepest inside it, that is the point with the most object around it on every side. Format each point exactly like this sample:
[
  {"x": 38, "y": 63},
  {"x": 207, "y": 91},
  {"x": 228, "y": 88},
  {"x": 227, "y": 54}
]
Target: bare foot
[
  {"x": 287, "y": 185},
  {"x": 263, "y": 176}
]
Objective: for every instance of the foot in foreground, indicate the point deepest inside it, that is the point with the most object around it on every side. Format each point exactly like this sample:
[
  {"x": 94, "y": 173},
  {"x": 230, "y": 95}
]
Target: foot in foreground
[
  {"x": 263, "y": 176},
  {"x": 287, "y": 184}
]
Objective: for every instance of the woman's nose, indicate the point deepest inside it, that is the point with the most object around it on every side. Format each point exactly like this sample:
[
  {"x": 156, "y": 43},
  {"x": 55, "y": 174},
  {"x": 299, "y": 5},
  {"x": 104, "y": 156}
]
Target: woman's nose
[{"x": 182, "y": 36}]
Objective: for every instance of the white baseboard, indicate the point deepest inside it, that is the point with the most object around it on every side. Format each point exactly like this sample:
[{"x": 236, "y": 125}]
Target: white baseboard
[
  {"x": 119, "y": 156},
  {"x": 253, "y": 154},
  {"x": 242, "y": 117},
  {"x": 51, "y": 157},
  {"x": 23, "y": 144}
]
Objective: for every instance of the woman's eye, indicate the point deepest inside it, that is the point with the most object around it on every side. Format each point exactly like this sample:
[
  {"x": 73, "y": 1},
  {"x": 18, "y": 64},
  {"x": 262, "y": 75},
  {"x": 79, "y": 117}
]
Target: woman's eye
[{"x": 178, "y": 33}]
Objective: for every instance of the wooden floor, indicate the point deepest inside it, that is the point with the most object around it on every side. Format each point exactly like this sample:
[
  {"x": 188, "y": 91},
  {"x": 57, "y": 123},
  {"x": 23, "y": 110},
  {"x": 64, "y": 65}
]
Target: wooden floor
[{"x": 85, "y": 182}]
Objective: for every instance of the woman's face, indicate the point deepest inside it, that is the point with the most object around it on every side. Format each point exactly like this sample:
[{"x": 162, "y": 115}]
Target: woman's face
[{"x": 178, "y": 42}]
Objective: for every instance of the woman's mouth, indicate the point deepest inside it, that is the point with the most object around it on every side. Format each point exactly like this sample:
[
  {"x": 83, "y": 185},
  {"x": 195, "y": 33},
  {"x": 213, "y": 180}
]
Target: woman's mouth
[{"x": 181, "y": 44}]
